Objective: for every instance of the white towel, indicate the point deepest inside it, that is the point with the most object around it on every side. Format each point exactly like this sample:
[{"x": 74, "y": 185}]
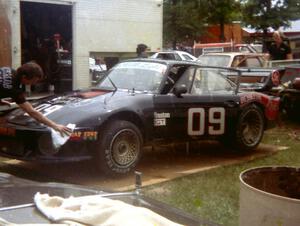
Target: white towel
[
  {"x": 96, "y": 210},
  {"x": 57, "y": 139}
]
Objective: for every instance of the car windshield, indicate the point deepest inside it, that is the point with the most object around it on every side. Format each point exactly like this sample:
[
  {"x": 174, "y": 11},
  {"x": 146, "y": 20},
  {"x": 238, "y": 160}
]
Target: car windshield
[
  {"x": 214, "y": 60},
  {"x": 138, "y": 76}
]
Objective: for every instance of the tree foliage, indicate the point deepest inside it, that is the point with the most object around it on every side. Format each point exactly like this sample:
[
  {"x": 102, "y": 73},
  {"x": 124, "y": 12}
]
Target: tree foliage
[
  {"x": 265, "y": 14},
  {"x": 222, "y": 12},
  {"x": 183, "y": 20},
  {"x": 188, "y": 19}
]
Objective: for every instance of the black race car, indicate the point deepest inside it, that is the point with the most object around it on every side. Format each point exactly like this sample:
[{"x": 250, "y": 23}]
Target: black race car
[{"x": 141, "y": 102}]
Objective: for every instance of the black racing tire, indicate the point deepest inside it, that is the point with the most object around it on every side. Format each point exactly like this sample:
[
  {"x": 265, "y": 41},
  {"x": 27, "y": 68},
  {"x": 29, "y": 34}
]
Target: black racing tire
[
  {"x": 249, "y": 129},
  {"x": 119, "y": 148}
]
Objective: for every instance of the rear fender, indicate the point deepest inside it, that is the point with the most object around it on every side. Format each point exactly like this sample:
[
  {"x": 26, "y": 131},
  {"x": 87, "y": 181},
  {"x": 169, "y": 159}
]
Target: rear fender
[{"x": 270, "y": 104}]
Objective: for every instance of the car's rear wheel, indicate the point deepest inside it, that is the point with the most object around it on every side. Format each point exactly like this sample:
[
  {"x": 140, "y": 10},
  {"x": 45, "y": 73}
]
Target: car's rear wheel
[
  {"x": 250, "y": 128},
  {"x": 248, "y": 132},
  {"x": 119, "y": 148}
]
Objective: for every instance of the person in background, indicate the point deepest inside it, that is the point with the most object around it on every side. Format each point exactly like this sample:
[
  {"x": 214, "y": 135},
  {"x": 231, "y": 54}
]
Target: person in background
[
  {"x": 10, "y": 82},
  {"x": 279, "y": 50},
  {"x": 141, "y": 51}
]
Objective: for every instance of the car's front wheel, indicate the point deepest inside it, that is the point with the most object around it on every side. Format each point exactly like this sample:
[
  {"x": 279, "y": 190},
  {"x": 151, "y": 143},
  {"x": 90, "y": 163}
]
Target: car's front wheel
[{"x": 119, "y": 147}]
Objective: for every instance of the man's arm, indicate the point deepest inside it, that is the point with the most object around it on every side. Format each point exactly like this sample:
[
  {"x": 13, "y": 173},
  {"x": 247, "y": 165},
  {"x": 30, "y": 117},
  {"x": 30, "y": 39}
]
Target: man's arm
[{"x": 27, "y": 107}]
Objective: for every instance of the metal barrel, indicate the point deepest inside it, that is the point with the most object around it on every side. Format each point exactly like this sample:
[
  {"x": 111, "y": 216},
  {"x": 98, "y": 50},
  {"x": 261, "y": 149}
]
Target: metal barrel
[{"x": 270, "y": 196}]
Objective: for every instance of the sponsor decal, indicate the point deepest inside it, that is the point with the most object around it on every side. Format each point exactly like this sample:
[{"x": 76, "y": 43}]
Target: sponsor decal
[
  {"x": 160, "y": 122},
  {"x": 249, "y": 97},
  {"x": 84, "y": 136},
  {"x": 161, "y": 115},
  {"x": 160, "y": 118},
  {"x": 47, "y": 109},
  {"x": 143, "y": 65},
  {"x": 5, "y": 78}
]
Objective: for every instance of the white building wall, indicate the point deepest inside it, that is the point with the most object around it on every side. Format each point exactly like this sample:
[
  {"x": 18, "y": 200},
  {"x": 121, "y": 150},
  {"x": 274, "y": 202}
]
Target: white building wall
[{"x": 112, "y": 26}]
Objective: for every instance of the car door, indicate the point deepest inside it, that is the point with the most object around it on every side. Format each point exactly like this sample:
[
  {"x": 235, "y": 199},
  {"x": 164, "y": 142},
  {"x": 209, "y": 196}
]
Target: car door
[
  {"x": 208, "y": 107},
  {"x": 164, "y": 120}
]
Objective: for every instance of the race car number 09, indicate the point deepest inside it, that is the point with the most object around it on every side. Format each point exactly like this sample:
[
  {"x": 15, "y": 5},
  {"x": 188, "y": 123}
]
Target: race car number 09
[{"x": 216, "y": 121}]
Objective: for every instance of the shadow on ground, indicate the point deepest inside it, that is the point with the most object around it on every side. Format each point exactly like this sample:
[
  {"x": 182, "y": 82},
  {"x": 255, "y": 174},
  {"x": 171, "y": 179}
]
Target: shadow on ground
[{"x": 157, "y": 165}]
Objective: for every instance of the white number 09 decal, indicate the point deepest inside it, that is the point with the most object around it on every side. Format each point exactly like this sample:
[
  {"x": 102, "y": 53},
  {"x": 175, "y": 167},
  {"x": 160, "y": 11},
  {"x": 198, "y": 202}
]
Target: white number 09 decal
[{"x": 196, "y": 121}]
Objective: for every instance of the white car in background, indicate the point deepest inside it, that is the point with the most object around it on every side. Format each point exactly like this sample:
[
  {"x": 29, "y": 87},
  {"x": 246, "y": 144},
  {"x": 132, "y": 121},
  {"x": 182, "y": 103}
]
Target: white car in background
[
  {"x": 233, "y": 59},
  {"x": 174, "y": 55}
]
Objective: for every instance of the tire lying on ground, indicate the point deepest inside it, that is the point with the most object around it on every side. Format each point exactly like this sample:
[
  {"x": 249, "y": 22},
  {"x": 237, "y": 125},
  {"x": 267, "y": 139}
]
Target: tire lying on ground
[{"x": 119, "y": 148}]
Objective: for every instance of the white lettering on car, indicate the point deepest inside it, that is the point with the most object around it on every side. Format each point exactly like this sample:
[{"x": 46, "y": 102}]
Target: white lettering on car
[
  {"x": 160, "y": 118},
  {"x": 159, "y": 122},
  {"x": 47, "y": 109},
  {"x": 196, "y": 121}
]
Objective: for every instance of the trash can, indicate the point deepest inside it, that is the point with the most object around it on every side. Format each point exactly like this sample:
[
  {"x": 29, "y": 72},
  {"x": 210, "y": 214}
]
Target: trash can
[{"x": 270, "y": 196}]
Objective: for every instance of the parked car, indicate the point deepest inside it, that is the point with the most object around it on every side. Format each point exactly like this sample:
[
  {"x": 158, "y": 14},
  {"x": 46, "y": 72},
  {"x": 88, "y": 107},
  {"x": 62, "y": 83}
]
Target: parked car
[
  {"x": 138, "y": 103},
  {"x": 255, "y": 76},
  {"x": 204, "y": 48},
  {"x": 233, "y": 59},
  {"x": 21, "y": 204},
  {"x": 287, "y": 88},
  {"x": 174, "y": 55}
]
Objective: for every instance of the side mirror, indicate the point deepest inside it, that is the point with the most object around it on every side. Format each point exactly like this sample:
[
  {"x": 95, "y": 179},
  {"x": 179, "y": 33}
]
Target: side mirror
[{"x": 179, "y": 90}]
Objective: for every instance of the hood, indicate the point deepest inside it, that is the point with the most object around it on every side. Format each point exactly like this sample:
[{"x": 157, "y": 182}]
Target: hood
[
  {"x": 81, "y": 108},
  {"x": 63, "y": 109}
]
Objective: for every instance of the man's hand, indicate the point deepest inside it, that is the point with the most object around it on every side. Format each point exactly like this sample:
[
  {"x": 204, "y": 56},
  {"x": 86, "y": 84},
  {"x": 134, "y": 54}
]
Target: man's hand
[
  {"x": 62, "y": 129},
  {"x": 27, "y": 107}
]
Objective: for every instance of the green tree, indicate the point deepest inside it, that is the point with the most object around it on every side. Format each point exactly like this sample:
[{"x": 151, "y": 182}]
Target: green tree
[
  {"x": 265, "y": 14},
  {"x": 221, "y": 12},
  {"x": 183, "y": 20}
]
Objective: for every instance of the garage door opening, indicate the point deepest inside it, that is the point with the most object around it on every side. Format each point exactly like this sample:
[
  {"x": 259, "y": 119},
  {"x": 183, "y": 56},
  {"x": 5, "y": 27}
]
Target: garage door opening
[{"x": 46, "y": 37}]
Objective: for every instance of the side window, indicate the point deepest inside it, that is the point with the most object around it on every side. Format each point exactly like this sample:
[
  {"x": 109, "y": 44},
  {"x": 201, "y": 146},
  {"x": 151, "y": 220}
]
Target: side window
[
  {"x": 218, "y": 84},
  {"x": 186, "y": 57},
  {"x": 166, "y": 56},
  {"x": 176, "y": 56},
  {"x": 186, "y": 77},
  {"x": 254, "y": 62},
  {"x": 239, "y": 61},
  {"x": 209, "y": 81},
  {"x": 199, "y": 85}
]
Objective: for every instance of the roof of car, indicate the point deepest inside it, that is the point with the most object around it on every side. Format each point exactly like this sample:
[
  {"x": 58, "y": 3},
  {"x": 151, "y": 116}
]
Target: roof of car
[
  {"x": 167, "y": 62},
  {"x": 233, "y": 54},
  {"x": 172, "y": 62},
  {"x": 173, "y": 51}
]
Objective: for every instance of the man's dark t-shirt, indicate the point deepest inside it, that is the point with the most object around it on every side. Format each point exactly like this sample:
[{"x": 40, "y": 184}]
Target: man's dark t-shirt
[
  {"x": 279, "y": 53},
  {"x": 10, "y": 86}
]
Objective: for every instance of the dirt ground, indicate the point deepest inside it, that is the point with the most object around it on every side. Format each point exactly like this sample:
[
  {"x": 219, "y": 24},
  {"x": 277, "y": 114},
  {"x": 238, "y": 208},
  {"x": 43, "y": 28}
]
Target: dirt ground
[{"x": 158, "y": 165}]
